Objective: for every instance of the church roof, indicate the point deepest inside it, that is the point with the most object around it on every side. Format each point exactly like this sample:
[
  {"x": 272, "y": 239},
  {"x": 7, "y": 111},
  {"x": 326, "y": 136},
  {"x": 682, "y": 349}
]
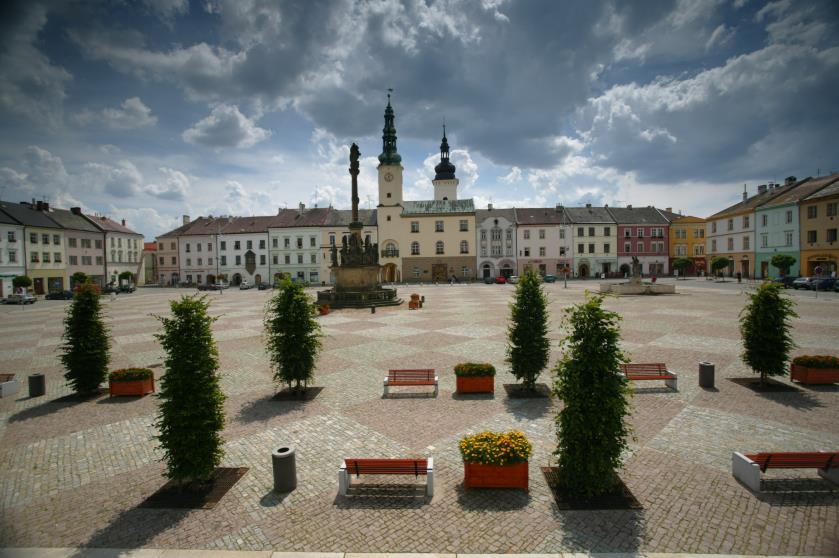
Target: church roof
[{"x": 437, "y": 207}]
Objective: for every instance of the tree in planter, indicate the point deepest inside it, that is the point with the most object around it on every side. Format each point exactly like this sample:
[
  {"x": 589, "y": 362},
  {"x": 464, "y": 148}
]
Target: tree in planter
[
  {"x": 681, "y": 264},
  {"x": 718, "y": 264},
  {"x": 86, "y": 349},
  {"x": 126, "y": 276},
  {"x": 528, "y": 346},
  {"x": 591, "y": 428},
  {"x": 293, "y": 336},
  {"x": 191, "y": 414},
  {"x": 765, "y": 329},
  {"x": 783, "y": 262},
  {"x": 21, "y": 282},
  {"x": 78, "y": 278}
]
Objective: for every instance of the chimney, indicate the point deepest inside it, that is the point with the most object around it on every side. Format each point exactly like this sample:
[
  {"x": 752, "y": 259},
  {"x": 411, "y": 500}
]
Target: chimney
[
  {"x": 123, "y": 222},
  {"x": 302, "y": 207},
  {"x": 559, "y": 207},
  {"x": 789, "y": 180},
  {"x": 588, "y": 205},
  {"x": 39, "y": 206},
  {"x": 629, "y": 206},
  {"x": 761, "y": 189},
  {"x": 76, "y": 210},
  {"x": 745, "y": 193},
  {"x": 605, "y": 205},
  {"x": 668, "y": 209},
  {"x": 489, "y": 206},
  {"x": 186, "y": 219}
]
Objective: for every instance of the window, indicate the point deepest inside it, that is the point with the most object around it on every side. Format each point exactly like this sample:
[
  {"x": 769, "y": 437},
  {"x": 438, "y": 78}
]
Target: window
[
  {"x": 209, "y": 246},
  {"x": 56, "y": 257},
  {"x": 714, "y": 227},
  {"x": 787, "y": 238},
  {"x": 34, "y": 257},
  {"x": 495, "y": 250},
  {"x": 730, "y": 244},
  {"x": 527, "y": 234},
  {"x": 681, "y": 250},
  {"x": 509, "y": 235},
  {"x": 764, "y": 220},
  {"x": 262, "y": 244},
  {"x": 607, "y": 248},
  {"x": 45, "y": 239},
  {"x": 113, "y": 242},
  {"x": 731, "y": 224},
  {"x": 223, "y": 245},
  {"x": 287, "y": 259},
  {"x": 581, "y": 248},
  {"x": 189, "y": 262},
  {"x": 299, "y": 258},
  {"x": 99, "y": 260},
  {"x": 812, "y": 236},
  {"x": 698, "y": 250},
  {"x": 789, "y": 216},
  {"x": 10, "y": 236},
  {"x": 591, "y": 248},
  {"x": 33, "y": 238},
  {"x": 237, "y": 244},
  {"x": 627, "y": 247},
  {"x": 388, "y": 217},
  {"x": 160, "y": 246},
  {"x": 812, "y": 212},
  {"x": 831, "y": 209},
  {"x": 200, "y": 261},
  {"x": 714, "y": 245},
  {"x": 640, "y": 232},
  {"x": 119, "y": 254},
  {"x": 562, "y": 251},
  {"x": 415, "y": 249},
  {"x": 286, "y": 242},
  {"x": 85, "y": 243},
  {"x": 591, "y": 231},
  {"x": 119, "y": 242},
  {"x": 562, "y": 234},
  {"x": 414, "y": 226},
  {"x": 438, "y": 247},
  {"x": 607, "y": 231},
  {"x": 527, "y": 252},
  {"x": 98, "y": 243},
  {"x": 275, "y": 242},
  {"x": 764, "y": 239},
  {"x": 275, "y": 259},
  {"x": 238, "y": 260},
  {"x": 438, "y": 226},
  {"x": 313, "y": 258},
  {"x": 627, "y": 233},
  {"x": 249, "y": 244},
  {"x": 313, "y": 241},
  {"x": 188, "y": 248},
  {"x": 581, "y": 231},
  {"x": 464, "y": 225},
  {"x": 197, "y": 246},
  {"x": 542, "y": 234},
  {"x": 416, "y": 272},
  {"x": 831, "y": 235},
  {"x": 71, "y": 242},
  {"x": 746, "y": 221},
  {"x": 73, "y": 260},
  {"x": 640, "y": 247},
  {"x": 541, "y": 251},
  {"x": 484, "y": 235},
  {"x": 746, "y": 243},
  {"x": 464, "y": 247},
  {"x": 56, "y": 239},
  {"x": 113, "y": 255},
  {"x": 464, "y": 271},
  {"x": 161, "y": 260}
]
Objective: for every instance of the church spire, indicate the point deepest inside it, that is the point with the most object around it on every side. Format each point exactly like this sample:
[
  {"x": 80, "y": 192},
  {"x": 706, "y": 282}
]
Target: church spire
[
  {"x": 444, "y": 170},
  {"x": 389, "y": 155}
]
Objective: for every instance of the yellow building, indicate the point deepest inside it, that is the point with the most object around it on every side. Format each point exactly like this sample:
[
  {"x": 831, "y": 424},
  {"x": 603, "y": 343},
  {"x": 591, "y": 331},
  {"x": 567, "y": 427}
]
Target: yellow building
[
  {"x": 819, "y": 221},
  {"x": 687, "y": 240}
]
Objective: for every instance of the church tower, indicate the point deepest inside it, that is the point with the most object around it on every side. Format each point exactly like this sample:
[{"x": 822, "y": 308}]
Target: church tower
[
  {"x": 390, "y": 163},
  {"x": 445, "y": 183}
]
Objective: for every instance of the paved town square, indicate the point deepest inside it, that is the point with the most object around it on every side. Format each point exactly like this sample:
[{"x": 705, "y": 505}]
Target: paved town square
[{"x": 73, "y": 473}]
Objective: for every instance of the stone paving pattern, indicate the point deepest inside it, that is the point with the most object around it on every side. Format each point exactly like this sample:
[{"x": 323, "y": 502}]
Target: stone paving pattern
[{"x": 73, "y": 473}]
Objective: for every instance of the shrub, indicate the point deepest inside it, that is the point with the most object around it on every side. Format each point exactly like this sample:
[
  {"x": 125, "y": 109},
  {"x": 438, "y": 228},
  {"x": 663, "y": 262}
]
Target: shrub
[
  {"x": 591, "y": 427},
  {"x": 474, "y": 369},
  {"x": 293, "y": 336},
  {"x": 817, "y": 361},
  {"x": 528, "y": 347},
  {"x": 130, "y": 374},
  {"x": 765, "y": 329},
  {"x": 21, "y": 281},
  {"x": 681, "y": 264},
  {"x": 719, "y": 263},
  {"x": 191, "y": 414},
  {"x": 86, "y": 348},
  {"x": 496, "y": 448},
  {"x": 783, "y": 262}
]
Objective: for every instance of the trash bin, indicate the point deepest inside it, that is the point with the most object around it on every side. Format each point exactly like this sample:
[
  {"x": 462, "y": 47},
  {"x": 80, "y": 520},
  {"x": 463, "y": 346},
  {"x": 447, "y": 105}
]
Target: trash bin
[
  {"x": 285, "y": 469},
  {"x": 706, "y": 375},
  {"x": 37, "y": 385}
]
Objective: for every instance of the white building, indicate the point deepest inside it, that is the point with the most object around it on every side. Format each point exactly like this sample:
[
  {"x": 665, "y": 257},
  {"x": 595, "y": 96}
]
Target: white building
[
  {"x": 11, "y": 252},
  {"x": 295, "y": 244},
  {"x": 495, "y": 242},
  {"x": 123, "y": 249},
  {"x": 243, "y": 253},
  {"x": 197, "y": 249}
]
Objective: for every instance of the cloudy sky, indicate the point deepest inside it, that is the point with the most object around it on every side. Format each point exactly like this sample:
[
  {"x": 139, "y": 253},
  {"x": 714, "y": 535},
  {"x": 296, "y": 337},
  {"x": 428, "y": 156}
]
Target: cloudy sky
[{"x": 148, "y": 110}]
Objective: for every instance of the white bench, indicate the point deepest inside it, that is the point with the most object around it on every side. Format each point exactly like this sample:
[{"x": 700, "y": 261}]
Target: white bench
[{"x": 8, "y": 385}]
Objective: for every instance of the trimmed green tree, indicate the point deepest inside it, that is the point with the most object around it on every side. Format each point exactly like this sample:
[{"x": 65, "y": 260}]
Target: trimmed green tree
[
  {"x": 592, "y": 431},
  {"x": 718, "y": 264},
  {"x": 22, "y": 281},
  {"x": 292, "y": 336},
  {"x": 78, "y": 278},
  {"x": 86, "y": 348},
  {"x": 682, "y": 264},
  {"x": 766, "y": 331},
  {"x": 191, "y": 413},
  {"x": 783, "y": 262},
  {"x": 528, "y": 347},
  {"x": 126, "y": 276}
]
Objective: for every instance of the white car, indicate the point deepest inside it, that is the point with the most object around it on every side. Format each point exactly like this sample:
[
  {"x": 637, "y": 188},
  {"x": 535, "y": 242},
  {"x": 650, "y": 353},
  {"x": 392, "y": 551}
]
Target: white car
[
  {"x": 244, "y": 285},
  {"x": 514, "y": 279}
]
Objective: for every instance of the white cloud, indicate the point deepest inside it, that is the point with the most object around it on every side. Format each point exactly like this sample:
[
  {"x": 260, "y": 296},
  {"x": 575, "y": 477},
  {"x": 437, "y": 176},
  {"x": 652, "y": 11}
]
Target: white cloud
[
  {"x": 720, "y": 37},
  {"x": 167, "y": 10},
  {"x": 175, "y": 187},
  {"x": 121, "y": 180},
  {"x": 513, "y": 176},
  {"x": 226, "y": 126},
  {"x": 133, "y": 113}
]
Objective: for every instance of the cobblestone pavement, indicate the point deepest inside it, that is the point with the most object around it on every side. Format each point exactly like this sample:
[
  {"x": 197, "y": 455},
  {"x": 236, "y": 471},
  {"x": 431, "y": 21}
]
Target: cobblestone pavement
[{"x": 74, "y": 472}]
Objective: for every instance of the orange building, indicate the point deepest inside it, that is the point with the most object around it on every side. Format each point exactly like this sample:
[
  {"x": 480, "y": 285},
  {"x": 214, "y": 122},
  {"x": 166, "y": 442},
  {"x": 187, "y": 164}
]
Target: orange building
[{"x": 687, "y": 240}]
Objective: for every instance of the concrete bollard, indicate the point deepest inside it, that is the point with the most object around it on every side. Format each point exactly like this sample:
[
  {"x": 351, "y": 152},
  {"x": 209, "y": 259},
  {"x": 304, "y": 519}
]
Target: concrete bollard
[{"x": 285, "y": 469}]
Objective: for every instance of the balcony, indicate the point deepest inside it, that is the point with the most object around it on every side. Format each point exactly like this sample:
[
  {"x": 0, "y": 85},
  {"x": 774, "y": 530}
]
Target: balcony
[{"x": 390, "y": 253}]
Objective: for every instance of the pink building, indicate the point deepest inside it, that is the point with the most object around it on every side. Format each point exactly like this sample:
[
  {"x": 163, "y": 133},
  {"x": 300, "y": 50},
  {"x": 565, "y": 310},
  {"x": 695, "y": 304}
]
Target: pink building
[{"x": 643, "y": 232}]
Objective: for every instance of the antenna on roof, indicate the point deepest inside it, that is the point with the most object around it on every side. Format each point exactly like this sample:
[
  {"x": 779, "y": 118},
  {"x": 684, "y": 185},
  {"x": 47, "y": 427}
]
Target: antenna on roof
[{"x": 369, "y": 201}]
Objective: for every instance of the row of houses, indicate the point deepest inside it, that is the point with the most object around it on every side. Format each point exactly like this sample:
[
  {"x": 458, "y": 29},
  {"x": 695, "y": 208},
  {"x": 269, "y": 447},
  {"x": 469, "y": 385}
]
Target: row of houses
[{"x": 50, "y": 244}]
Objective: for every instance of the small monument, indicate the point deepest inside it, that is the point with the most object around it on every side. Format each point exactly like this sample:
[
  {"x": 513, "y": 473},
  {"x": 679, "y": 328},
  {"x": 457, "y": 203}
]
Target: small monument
[
  {"x": 356, "y": 264},
  {"x": 635, "y": 286}
]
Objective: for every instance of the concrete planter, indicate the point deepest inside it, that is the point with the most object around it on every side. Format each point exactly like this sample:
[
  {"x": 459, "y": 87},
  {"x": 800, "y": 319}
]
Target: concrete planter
[
  {"x": 478, "y": 475},
  {"x": 132, "y": 387},
  {"x": 807, "y": 375},
  {"x": 475, "y": 384}
]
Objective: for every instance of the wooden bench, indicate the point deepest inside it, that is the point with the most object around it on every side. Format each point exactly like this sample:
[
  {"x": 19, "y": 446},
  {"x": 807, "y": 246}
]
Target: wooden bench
[
  {"x": 424, "y": 377},
  {"x": 653, "y": 371},
  {"x": 747, "y": 467},
  {"x": 360, "y": 467}
]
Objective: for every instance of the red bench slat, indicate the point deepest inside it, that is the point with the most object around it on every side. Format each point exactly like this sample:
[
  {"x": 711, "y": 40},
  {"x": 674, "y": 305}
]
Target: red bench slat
[
  {"x": 414, "y": 467},
  {"x": 410, "y": 377},
  {"x": 652, "y": 371},
  {"x": 795, "y": 460}
]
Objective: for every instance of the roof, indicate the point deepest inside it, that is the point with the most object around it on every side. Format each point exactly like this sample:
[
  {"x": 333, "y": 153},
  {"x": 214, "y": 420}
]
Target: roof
[
  {"x": 204, "y": 226},
  {"x": 69, "y": 220},
  {"x": 245, "y": 225},
  {"x": 343, "y": 217},
  {"x": 589, "y": 215},
  {"x": 541, "y": 216},
  {"x": 7, "y": 219},
  {"x": 25, "y": 215},
  {"x": 798, "y": 190},
  {"x": 109, "y": 225},
  {"x": 483, "y": 214},
  {"x": 831, "y": 190},
  {"x": 313, "y": 217},
  {"x": 437, "y": 207},
  {"x": 669, "y": 215},
  {"x": 753, "y": 202},
  {"x": 637, "y": 216},
  {"x": 686, "y": 219}
]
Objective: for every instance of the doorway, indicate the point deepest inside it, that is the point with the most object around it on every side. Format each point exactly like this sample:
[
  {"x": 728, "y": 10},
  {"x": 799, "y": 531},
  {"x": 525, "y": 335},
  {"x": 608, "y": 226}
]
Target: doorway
[
  {"x": 39, "y": 285},
  {"x": 744, "y": 268},
  {"x": 390, "y": 273},
  {"x": 764, "y": 270},
  {"x": 486, "y": 271},
  {"x": 584, "y": 270},
  {"x": 438, "y": 272},
  {"x": 237, "y": 279}
]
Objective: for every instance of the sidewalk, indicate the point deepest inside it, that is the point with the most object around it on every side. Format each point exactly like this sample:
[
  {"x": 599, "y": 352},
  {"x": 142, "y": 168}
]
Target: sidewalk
[{"x": 167, "y": 553}]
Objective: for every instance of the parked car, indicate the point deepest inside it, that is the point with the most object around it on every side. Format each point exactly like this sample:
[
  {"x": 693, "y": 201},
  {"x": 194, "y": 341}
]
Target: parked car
[
  {"x": 836, "y": 286},
  {"x": 801, "y": 282},
  {"x": 822, "y": 284},
  {"x": 786, "y": 282},
  {"x": 222, "y": 284},
  {"x": 59, "y": 295},
  {"x": 549, "y": 278},
  {"x": 110, "y": 288},
  {"x": 209, "y": 287},
  {"x": 514, "y": 279},
  {"x": 263, "y": 286},
  {"x": 489, "y": 280},
  {"x": 244, "y": 285},
  {"x": 127, "y": 288},
  {"x": 500, "y": 279},
  {"x": 24, "y": 298}
]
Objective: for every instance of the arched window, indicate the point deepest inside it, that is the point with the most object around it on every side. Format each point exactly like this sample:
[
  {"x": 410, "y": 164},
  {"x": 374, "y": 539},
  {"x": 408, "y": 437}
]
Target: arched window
[
  {"x": 415, "y": 248},
  {"x": 390, "y": 250},
  {"x": 439, "y": 247},
  {"x": 464, "y": 247}
]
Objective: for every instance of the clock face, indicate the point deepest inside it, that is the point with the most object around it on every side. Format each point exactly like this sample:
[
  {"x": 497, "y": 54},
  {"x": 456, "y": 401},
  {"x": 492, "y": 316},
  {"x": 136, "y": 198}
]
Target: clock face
[{"x": 388, "y": 177}]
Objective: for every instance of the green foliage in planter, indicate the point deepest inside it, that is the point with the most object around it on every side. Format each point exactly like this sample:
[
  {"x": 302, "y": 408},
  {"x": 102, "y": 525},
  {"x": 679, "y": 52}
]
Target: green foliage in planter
[
  {"x": 765, "y": 329},
  {"x": 592, "y": 430},
  {"x": 528, "y": 346},
  {"x": 817, "y": 361},
  {"x": 130, "y": 374},
  {"x": 681, "y": 264},
  {"x": 719, "y": 263},
  {"x": 21, "y": 281},
  {"x": 78, "y": 278},
  {"x": 292, "y": 335},
  {"x": 126, "y": 276},
  {"x": 191, "y": 415},
  {"x": 783, "y": 262},
  {"x": 474, "y": 369},
  {"x": 496, "y": 448},
  {"x": 86, "y": 348}
]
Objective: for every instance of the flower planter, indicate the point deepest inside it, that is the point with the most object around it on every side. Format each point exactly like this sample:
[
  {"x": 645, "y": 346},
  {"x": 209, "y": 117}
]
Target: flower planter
[
  {"x": 323, "y": 310},
  {"x": 413, "y": 305},
  {"x": 807, "y": 375},
  {"x": 475, "y": 384},
  {"x": 131, "y": 387},
  {"x": 478, "y": 475}
]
